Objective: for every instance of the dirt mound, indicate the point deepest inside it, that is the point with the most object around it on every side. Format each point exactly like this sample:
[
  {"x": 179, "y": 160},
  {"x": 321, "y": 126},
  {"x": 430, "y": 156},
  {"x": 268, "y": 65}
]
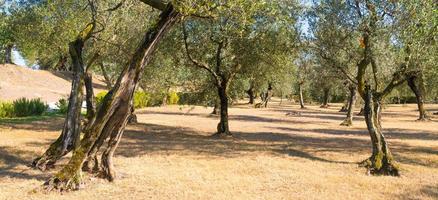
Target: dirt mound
[{"x": 17, "y": 81}]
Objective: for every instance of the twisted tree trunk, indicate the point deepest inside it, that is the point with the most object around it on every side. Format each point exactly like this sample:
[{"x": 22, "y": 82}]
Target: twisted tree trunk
[
  {"x": 115, "y": 109},
  {"x": 351, "y": 102},
  {"x": 69, "y": 137},
  {"x": 381, "y": 160},
  {"x": 416, "y": 84}
]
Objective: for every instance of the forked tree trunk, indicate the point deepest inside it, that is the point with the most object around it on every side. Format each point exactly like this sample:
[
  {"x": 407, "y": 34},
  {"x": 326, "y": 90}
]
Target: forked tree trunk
[
  {"x": 417, "y": 86},
  {"x": 300, "y": 93},
  {"x": 223, "y": 128},
  {"x": 69, "y": 137},
  {"x": 8, "y": 54},
  {"x": 381, "y": 160},
  {"x": 350, "y": 111},
  {"x": 325, "y": 98},
  {"x": 115, "y": 109}
]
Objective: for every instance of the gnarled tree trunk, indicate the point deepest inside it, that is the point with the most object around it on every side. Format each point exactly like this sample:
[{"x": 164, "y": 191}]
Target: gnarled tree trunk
[
  {"x": 223, "y": 128},
  {"x": 381, "y": 160},
  {"x": 416, "y": 84},
  {"x": 69, "y": 137},
  {"x": 115, "y": 109},
  {"x": 351, "y": 102}
]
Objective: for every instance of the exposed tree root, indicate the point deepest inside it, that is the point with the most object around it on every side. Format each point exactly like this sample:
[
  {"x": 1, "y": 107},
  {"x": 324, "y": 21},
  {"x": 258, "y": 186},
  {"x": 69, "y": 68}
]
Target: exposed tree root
[
  {"x": 347, "y": 122},
  {"x": 65, "y": 180},
  {"x": 380, "y": 167}
]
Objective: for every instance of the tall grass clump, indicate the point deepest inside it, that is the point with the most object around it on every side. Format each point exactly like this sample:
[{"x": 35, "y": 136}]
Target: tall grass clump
[{"x": 24, "y": 107}]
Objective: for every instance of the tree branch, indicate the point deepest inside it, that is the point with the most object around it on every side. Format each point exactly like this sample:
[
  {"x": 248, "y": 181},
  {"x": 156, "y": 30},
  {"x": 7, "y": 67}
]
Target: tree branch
[{"x": 196, "y": 62}]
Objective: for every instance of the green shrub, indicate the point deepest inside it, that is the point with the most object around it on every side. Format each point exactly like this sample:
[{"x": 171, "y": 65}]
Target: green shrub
[
  {"x": 62, "y": 106},
  {"x": 141, "y": 99},
  {"x": 172, "y": 98},
  {"x": 99, "y": 97},
  {"x": 6, "y": 110},
  {"x": 29, "y": 107}
]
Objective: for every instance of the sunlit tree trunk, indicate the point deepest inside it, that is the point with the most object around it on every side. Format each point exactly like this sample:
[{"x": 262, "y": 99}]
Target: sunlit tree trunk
[
  {"x": 300, "y": 93},
  {"x": 350, "y": 110},
  {"x": 416, "y": 84},
  {"x": 69, "y": 137},
  {"x": 381, "y": 160},
  {"x": 91, "y": 104},
  {"x": 115, "y": 109}
]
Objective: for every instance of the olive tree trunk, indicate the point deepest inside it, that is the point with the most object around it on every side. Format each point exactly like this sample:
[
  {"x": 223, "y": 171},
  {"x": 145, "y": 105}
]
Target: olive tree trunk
[
  {"x": 8, "y": 54},
  {"x": 300, "y": 93},
  {"x": 223, "y": 128},
  {"x": 251, "y": 95},
  {"x": 70, "y": 134},
  {"x": 325, "y": 98},
  {"x": 417, "y": 86},
  {"x": 115, "y": 109},
  {"x": 381, "y": 160},
  {"x": 89, "y": 97},
  {"x": 350, "y": 110}
]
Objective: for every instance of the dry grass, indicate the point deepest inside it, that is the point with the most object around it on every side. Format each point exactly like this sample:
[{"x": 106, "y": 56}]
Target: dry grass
[
  {"x": 169, "y": 155},
  {"x": 17, "y": 82}
]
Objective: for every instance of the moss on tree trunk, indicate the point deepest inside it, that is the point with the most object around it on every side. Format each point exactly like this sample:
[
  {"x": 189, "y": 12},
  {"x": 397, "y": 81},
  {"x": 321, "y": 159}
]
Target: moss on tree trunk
[{"x": 116, "y": 104}]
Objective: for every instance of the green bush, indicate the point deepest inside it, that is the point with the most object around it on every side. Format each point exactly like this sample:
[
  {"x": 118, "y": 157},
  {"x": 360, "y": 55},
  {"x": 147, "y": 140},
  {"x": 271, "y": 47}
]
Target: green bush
[
  {"x": 29, "y": 107},
  {"x": 172, "y": 98},
  {"x": 100, "y": 96},
  {"x": 6, "y": 110},
  {"x": 62, "y": 106},
  {"x": 141, "y": 99}
]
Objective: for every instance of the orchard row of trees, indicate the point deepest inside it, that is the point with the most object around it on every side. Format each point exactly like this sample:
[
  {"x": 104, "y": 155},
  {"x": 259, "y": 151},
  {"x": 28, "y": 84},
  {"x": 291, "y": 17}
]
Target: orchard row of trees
[{"x": 218, "y": 52}]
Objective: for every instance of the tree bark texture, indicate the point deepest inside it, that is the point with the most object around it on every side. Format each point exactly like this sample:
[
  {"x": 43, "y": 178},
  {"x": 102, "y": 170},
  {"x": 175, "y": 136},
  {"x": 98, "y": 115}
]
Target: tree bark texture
[
  {"x": 112, "y": 115},
  {"x": 69, "y": 138}
]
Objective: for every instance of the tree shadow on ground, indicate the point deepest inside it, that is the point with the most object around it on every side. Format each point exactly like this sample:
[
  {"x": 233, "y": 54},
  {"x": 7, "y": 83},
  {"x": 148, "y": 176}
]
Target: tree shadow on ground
[
  {"x": 389, "y": 133},
  {"x": 51, "y": 123},
  {"x": 430, "y": 191},
  {"x": 151, "y": 138},
  {"x": 11, "y": 158}
]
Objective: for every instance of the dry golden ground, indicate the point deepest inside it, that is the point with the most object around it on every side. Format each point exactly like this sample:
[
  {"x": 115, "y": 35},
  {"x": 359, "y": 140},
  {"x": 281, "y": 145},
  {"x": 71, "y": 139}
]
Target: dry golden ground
[{"x": 170, "y": 155}]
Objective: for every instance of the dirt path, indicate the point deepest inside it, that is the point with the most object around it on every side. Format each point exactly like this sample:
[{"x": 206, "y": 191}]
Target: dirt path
[{"x": 170, "y": 155}]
